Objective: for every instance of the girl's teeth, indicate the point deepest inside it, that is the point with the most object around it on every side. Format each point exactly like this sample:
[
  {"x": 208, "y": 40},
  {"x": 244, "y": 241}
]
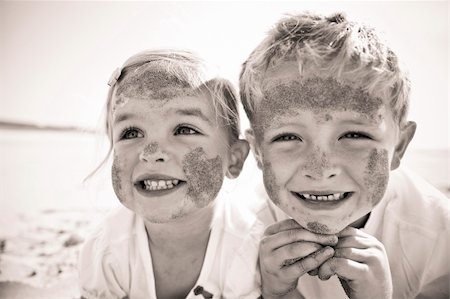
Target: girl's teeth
[{"x": 160, "y": 184}]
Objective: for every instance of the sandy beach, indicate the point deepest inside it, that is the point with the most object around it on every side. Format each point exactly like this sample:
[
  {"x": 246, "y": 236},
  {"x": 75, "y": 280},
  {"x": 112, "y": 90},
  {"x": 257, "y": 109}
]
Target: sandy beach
[{"x": 46, "y": 210}]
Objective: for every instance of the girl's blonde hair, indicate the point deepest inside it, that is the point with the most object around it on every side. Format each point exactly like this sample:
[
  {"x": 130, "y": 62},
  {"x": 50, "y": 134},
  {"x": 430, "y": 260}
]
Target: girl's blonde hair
[
  {"x": 185, "y": 69},
  {"x": 328, "y": 47}
]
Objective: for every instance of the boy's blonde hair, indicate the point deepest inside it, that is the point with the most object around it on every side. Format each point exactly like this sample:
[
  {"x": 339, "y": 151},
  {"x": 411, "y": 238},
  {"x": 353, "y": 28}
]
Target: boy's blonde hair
[
  {"x": 327, "y": 47},
  {"x": 182, "y": 68}
]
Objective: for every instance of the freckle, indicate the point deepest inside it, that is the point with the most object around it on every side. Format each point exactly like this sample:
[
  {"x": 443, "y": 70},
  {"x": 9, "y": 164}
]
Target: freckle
[
  {"x": 328, "y": 117},
  {"x": 270, "y": 182},
  {"x": 317, "y": 228},
  {"x": 204, "y": 176},
  {"x": 376, "y": 175}
]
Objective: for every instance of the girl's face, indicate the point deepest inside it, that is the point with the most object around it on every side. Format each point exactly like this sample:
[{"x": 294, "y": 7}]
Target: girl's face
[{"x": 170, "y": 154}]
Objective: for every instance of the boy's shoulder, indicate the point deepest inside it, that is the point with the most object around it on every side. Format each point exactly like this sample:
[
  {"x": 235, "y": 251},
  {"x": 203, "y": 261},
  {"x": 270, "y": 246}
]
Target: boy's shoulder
[
  {"x": 238, "y": 221},
  {"x": 414, "y": 201}
]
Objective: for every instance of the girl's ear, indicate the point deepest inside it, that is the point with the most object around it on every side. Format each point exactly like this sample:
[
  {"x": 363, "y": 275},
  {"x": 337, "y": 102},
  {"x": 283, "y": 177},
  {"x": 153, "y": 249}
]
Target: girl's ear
[
  {"x": 405, "y": 136},
  {"x": 238, "y": 153},
  {"x": 250, "y": 136}
]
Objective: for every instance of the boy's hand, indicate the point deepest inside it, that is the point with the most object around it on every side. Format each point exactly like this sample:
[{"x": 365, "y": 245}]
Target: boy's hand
[
  {"x": 288, "y": 251},
  {"x": 361, "y": 263}
]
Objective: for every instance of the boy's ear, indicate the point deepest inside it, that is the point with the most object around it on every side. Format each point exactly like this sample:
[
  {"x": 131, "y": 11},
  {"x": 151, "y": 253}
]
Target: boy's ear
[
  {"x": 406, "y": 135},
  {"x": 238, "y": 153},
  {"x": 250, "y": 136}
]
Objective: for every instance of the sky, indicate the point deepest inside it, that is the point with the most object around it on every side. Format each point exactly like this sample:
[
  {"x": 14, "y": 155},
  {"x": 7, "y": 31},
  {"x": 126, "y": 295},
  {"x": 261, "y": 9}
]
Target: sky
[{"x": 56, "y": 57}]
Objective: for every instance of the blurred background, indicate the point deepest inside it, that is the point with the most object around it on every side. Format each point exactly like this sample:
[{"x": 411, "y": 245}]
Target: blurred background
[{"x": 56, "y": 59}]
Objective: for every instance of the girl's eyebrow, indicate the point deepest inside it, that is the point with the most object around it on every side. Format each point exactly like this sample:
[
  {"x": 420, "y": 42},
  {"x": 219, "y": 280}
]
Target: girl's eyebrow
[
  {"x": 193, "y": 112},
  {"x": 122, "y": 117}
]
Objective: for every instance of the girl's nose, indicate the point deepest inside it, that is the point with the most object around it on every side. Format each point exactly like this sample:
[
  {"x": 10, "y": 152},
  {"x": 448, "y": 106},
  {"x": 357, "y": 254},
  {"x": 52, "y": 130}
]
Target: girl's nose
[{"x": 152, "y": 153}]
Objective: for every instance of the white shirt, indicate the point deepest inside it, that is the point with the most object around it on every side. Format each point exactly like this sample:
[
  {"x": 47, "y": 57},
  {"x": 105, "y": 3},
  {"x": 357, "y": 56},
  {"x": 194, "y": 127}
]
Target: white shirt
[
  {"x": 412, "y": 221},
  {"x": 115, "y": 261}
]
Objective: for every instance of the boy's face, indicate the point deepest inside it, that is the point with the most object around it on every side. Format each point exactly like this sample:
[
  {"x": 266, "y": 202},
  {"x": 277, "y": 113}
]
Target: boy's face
[
  {"x": 170, "y": 154},
  {"x": 325, "y": 149}
]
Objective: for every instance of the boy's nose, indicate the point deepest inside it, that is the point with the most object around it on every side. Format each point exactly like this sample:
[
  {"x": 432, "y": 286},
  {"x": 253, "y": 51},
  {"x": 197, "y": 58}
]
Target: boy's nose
[
  {"x": 316, "y": 174},
  {"x": 318, "y": 167},
  {"x": 152, "y": 152}
]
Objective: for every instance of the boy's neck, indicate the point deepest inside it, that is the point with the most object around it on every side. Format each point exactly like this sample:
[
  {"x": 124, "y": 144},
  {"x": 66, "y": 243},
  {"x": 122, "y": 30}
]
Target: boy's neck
[
  {"x": 361, "y": 222},
  {"x": 189, "y": 232}
]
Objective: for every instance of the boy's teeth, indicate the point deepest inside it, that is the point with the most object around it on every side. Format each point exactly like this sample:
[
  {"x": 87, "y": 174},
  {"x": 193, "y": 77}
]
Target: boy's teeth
[
  {"x": 160, "y": 184},
  {"x": 329, "y": 197}
]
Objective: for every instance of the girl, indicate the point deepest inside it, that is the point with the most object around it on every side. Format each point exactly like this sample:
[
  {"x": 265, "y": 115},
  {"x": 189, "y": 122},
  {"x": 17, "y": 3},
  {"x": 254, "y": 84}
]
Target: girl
[{"x": 175, "y": 136}]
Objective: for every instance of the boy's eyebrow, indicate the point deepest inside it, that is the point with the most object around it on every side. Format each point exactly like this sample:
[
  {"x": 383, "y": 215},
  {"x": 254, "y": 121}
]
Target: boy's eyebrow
[
  {"x": 193, "y": 112},
  {"x": 369, "y": 122}
]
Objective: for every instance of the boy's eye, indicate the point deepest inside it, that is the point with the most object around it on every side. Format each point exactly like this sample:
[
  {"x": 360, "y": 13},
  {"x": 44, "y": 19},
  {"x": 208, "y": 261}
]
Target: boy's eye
[
  {"x": 131, "y": 133},
  {"x": 356, "y": 135},
  {"x": 286, "y": 137},
  {"x": 184, "y": 130}
]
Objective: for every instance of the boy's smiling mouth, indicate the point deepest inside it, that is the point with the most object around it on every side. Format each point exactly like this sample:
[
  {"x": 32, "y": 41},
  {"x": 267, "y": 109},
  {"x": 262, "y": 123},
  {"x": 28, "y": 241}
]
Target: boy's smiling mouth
[
  {"x": 157, "y": 185},
  {"x": 320, "y": 198}
]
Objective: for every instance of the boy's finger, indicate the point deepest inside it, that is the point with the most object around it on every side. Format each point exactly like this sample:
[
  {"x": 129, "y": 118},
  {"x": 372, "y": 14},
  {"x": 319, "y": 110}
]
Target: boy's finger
[
  {"x": 299, "y": 235},
  {"x": 355, "y": 254},
  {"x": 344, "y": 268},
  {"x": 348, "y": 231},
  {"x": 356, "y": 242},
  {"x": 351, "y": 231},
  {"x": 291, "y": 253},
  {"x": 311, "y": 262},
  {"x": 286, "y": 224}
]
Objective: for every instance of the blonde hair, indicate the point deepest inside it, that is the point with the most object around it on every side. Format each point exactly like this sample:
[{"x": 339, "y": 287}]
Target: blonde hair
[
  {"x": 331, "y": 47},
  {"x": 183, "y": 68}
]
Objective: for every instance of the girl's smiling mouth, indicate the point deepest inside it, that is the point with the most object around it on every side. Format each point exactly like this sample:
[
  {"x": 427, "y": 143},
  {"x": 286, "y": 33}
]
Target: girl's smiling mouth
[
  {"x": 157, "y": 185},
  {"x": 152, "y": 185}
]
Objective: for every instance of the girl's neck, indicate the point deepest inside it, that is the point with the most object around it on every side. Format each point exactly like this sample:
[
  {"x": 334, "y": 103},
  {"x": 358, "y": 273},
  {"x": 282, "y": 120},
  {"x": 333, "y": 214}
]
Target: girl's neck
[{"x": 189, "y": 232}]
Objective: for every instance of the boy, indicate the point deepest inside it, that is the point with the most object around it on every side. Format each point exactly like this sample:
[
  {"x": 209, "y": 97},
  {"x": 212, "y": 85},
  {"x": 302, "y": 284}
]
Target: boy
[{"x": 327, "y": 102}]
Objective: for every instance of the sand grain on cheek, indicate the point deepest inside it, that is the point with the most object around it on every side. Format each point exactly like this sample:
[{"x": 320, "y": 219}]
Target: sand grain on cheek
[
  {"x": 270, "y": 182},
  {"x": 376, "y": 175},
  {"x": 115, "y": 176},
  {"x": 204, "y": 176}
]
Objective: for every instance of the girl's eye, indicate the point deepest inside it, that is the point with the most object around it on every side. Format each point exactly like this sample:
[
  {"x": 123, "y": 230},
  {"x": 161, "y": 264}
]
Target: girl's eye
[
  {"x": 131, "y": 133},
  {"x": 286, "y": 137},
  {"x": 356, "y": 135},
  {"x": 184, "y": 130}
]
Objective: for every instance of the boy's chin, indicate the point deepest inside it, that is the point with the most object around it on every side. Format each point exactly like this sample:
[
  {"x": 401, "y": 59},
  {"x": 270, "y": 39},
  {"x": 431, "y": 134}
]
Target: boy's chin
[{"x": 322, "y": 227}]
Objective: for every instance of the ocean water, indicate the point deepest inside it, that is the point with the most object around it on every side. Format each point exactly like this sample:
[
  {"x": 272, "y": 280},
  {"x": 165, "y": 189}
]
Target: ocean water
[{"x": 44, "y": 170}]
